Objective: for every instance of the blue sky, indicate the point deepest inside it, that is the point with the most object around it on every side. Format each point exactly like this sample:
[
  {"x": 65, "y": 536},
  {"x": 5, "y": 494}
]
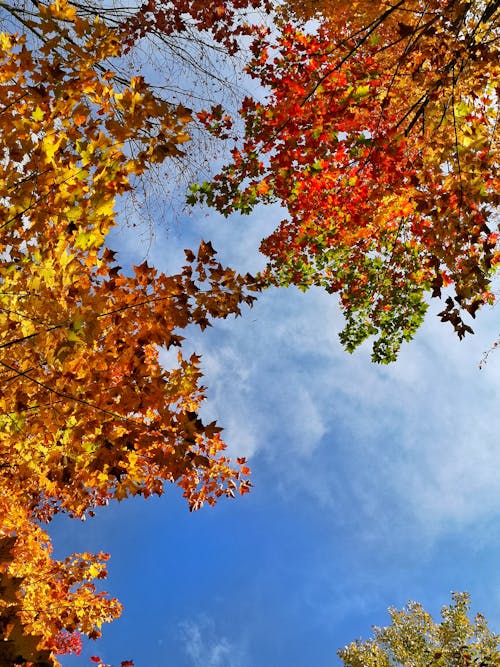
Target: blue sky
[{"x": 373, "y": 485}]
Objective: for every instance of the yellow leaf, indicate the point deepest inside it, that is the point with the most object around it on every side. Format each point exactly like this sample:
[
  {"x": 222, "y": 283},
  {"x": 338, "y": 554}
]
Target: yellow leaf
[
  {"x": 94, "y": 571},
  {"x": 50, "y": 146},
  {"x": 5, "y": 41},
  {"x": 105, "y": 207},
  {"x": 38, "y": 114}
]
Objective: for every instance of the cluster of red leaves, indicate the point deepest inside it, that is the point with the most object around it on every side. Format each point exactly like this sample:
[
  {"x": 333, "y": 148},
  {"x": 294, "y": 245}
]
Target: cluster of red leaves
[
  {"x": 380, "y": 141},
  {"x": 69, "y": 642}
]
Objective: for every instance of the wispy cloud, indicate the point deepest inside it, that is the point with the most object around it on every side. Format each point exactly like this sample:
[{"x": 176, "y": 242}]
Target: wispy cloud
[
  {"x": 416, "y": 441},
  {"x": 413, "y": 444},
  {"x": 206, "y": 648}
]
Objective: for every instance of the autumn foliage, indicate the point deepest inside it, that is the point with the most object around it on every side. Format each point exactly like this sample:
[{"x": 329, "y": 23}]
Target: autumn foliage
[
  {"x": 379, "y": 136},
  {"x": 89, "y": 414}
]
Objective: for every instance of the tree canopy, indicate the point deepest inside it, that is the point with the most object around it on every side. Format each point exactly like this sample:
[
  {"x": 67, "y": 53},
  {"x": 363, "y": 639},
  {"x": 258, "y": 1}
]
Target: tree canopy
[
  {"x": 379, "y": 137},
  {"x": 88, "y": 412},
  {"x": 414, "y": 639}
]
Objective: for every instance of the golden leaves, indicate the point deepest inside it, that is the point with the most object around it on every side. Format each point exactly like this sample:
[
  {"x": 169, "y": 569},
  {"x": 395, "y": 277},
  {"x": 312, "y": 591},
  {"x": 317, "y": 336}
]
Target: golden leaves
[{"x": 88, "y": 412}]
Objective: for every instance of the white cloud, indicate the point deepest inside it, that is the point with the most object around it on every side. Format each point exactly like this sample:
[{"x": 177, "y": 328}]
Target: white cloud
[
  {"x": 412, "y": 445},
  {"x": 206, "y": 648}
]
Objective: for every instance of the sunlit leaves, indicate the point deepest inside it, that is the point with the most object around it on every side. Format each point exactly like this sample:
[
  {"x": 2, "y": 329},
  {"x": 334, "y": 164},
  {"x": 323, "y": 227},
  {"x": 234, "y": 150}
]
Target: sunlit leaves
[
  {"x": 53, "y": 601},
  {"x": 414, "y": 638},
  {"x": 379, "y": 136},
  {"x": 88, "y": 412},
  {"x": 83, "y": 337}
]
